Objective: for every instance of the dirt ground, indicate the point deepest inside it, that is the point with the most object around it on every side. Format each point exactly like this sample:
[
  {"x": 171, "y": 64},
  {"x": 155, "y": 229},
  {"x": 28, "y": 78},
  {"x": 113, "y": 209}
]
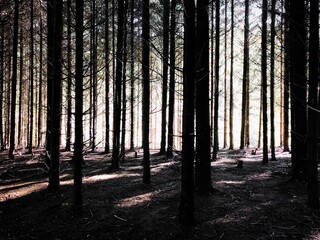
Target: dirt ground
[{"x": 253, "y": 202}]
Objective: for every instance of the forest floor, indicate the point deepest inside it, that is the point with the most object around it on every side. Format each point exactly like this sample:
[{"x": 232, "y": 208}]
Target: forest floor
[{"x": 254, "y": 202}]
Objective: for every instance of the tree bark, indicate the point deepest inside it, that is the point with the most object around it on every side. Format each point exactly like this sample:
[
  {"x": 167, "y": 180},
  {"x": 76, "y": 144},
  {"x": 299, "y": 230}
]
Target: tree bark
[
  {"x": 203, "y": 161},
  {"x": 186, "y": 205},
  {"x": 31, "y": 90},
  {"x": 14, "y": 77},
  {"x": 107, "y": 79},
  {"x": 272, "y": 80},
  {"x": 298, "y": 89},
  {"x": 264, "y": 81},
  {"x": 231, "y": 105},
  {"x": 312, "y": 159},
  {"x": 216, "y": 87},
  {"x": 165, "y": 62},
  {"x": 245, "y": 78},
  {"x": 54, "y": 181},
  {"x": 78, "y": 144},
  {"x": 145, "y": 89},
  {"x": 172, "y": 78},
  {"x": 117, "y": 91}
]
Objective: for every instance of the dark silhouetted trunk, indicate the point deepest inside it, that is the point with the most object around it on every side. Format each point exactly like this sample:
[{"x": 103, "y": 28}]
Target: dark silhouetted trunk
[
  {"x": 145, "y": 90},
  {"x": 124, "y": 84},
  {"x": 231, "y": 106},
  {"x": 78, "y": 144},
  {"x": 54, "y": 181},
  {"x": 272, "y": 80},
  {"x": 107, "y": 79},
  {"x": 245, "y": 78},
  {"x": 2, "y": 56},
  {"x": 298, "y": 88},
  {"x": 14, "y": 77},
  {"x": 117, "y": 91},
  {"x": 172, "y": 78},
  {"x": 186, "y": 205},
  {"x": 20, "y": 135},
  {"x": 69, "y": 79},
  {"x": 203, "y": 161},
  {"x": 286, "y": 92},
  {"x": 225, "y": 120},
  {"x": 40, "y": 111},
  {"x": 312, "y": 156},
  {"x": 264, "y": 81},
  {"x": 132, "y": 77},
  {"x": 165, "y": 39},
  {"x": 216, "y": 87},
  {"x": 31, "y": 90}
]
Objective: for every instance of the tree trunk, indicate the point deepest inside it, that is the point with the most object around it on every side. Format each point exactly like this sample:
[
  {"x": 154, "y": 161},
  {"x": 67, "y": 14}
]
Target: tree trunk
[
  {"x": 117, "y": 92},
  {"x": 216, "y": 87},
  {"x": 172, "y": 78},
  {"x": 231, "y": 106},
  {"x": 203, "y": 161},
  {"x": 14, "y": 77},
  {"x": 272, "y": 80},
  {"x": 286, "y": 93},
  {"x": 298, "y": 88},
  {"x": 186, "y": 205},
  {"x": 245, "y": 79},
  {"x": 50, "y": 77},
  {"x": 20, "y": 135},
  {"x": 2, "y": 145},
  {"x": 165, "y": 39},
  {"x": 31, "y": 90},
  {"x": 225, "y": 120},
  {"x": 69, "y": 79},
  {"x": 78, "y": 144},
  {"x": 124, "y": 83},
  {"x": 264, "y": 81},
  {"x": 312, "y": 160},
  {"x": 107, "y": 79},
  {"x": 132, "y": 81},
  {"x": 54, "y": 182},
  {"x": 145, "y": 89},
  {"x": 40, "y": 113}
]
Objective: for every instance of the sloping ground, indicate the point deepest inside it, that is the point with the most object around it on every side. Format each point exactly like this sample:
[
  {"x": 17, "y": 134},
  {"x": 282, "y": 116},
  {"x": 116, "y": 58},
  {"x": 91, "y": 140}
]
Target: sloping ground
[{"x": 253, "y": 202}]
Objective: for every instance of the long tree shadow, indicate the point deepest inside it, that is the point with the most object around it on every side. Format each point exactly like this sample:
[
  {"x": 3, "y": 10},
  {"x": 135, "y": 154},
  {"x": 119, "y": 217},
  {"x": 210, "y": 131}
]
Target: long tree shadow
[{"x": 252, "y": 202}]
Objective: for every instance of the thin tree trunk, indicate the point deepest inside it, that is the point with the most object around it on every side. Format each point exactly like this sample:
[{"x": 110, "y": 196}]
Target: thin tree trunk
[
  {"x": 40, "y": 83},
  {"x": 225, "y": 120},
  {"x": 107, "y": 80},
  {"x": 78, "y": 144},
  {"x": 216, "y": 88},
  {"x": 186, "y": 205},
  {"x": 14, "y": 78},
  {"x": 117, "y": 92},
  {"x": 124, "y": 84},
  {"x": 31, "y": 90},
  {"x": 20, "y": 89},
  {"x": 165, "y": 39},
  {"x": 264, "y": 80},
  {"x": 245, "y": 79},
  {"x": 172, "y": 78},
  {"x": 286, "y": 92},
  {"x": 2, "y": 145},
  {"x": 50, "y": 77},
  {"x": 69, "y": 79},
  {"x": 145, "y": 89},
  {"x": 272, "y": 79},
  {"x": 231, "y": 106},
  {"x": 132, "y": 78}
]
